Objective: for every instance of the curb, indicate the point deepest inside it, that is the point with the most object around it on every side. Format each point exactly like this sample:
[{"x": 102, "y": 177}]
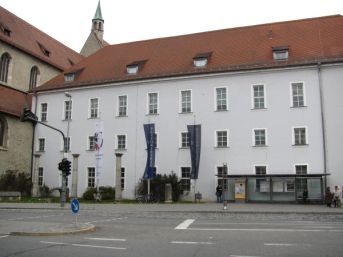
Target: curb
[{"x": 81, "y": 228}]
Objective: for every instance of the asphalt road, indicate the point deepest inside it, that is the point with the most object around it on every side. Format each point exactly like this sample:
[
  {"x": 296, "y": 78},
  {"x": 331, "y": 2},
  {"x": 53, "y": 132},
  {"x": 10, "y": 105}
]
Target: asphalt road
[{"x": 157, "y": 234}]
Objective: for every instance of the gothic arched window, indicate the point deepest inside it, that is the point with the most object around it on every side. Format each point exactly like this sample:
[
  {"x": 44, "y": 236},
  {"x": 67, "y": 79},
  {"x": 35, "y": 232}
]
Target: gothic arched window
[
  {"x": 34, "y": 76},
  {"x": 4, "y": 67},
  {"x": 3, "y": 132}
]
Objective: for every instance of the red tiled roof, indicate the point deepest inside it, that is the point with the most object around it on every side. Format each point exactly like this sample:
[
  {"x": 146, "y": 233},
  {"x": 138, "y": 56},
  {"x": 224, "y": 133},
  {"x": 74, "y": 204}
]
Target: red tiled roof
[
  {"x": 13, "y": 101},
  {"x": 309, "y": 41},
  {"x": 29, "y": 39}
]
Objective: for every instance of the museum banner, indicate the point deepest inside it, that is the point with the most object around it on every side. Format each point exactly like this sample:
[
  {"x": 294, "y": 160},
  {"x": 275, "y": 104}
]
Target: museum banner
[
  {"x": 194, "y": 132},
  {"x": 149, "y": 130}
]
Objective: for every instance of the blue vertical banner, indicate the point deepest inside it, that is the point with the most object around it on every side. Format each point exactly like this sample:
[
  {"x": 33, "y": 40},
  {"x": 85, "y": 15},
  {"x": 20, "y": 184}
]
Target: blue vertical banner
[
  {"x": 149, "y": 130},
  {"x": 194, "y": 132}
]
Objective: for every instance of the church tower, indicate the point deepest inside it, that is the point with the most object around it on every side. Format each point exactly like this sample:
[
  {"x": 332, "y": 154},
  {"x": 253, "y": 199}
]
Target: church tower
[
  {"x": 98, "y": 23},
  {"x": 95, "y": 40}
]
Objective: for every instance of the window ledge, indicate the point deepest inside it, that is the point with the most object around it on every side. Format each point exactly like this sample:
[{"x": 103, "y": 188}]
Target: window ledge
[
  {"x": 90, "y": 150},
  {"x": 121, "y": 149},
  {"x": 221, "y": 147},
  {"x": 259, "y": 146},
  {"x": 152, "y": 114},
  {"x": 121, "y": 116},
  {"x": 67, "y": 120},
  {"x": 185, "y": 112},
  {"x": 2, "y": 148},
  {"x": 298, "y": 107},
  {"x": 221, "y": 110},
  {"x": 184, "y": 148},
  {"x": 256, "y": 109},
  {"x": 300, "y": 145}
]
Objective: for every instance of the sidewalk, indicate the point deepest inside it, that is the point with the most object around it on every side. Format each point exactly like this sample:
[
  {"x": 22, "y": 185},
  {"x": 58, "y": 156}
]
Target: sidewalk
[{"x": 30, "y": 228}]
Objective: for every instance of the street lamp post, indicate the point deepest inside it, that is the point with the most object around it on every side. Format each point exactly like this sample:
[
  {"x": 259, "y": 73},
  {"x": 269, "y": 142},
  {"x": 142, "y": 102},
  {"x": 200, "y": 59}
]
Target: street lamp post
[{"x": 66, "y": 145}]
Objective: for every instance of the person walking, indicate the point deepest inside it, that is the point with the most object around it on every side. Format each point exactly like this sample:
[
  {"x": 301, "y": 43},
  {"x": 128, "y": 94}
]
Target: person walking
[
  {"x": 328, "y": 197},
  {"x": 219, "y": 192},
  {"x": 337, "y": 197}
]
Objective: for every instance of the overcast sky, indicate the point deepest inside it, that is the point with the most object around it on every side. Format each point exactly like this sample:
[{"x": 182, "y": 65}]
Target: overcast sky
[{"x": 69, "y": 21}]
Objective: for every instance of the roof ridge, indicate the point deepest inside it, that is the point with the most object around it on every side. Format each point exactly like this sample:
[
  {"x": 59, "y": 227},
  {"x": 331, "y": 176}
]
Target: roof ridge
[{"x": 44, "y": 34}]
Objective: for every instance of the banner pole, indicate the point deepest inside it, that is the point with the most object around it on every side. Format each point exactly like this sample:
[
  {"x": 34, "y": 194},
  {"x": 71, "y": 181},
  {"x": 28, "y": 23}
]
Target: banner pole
[{"x": 148, "y": 190}]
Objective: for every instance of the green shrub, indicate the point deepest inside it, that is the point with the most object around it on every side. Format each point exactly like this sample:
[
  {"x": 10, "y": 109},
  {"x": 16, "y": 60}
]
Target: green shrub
[
  {"x": 44, "y": 191},
  {"x": 107, "y": 193},
  {"x": 16, "y": 181},
  {"x": 157, "y": 187}
]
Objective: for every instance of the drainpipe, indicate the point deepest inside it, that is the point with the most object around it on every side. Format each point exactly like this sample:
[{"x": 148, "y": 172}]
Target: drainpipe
[{"x": 322, "y": 113}]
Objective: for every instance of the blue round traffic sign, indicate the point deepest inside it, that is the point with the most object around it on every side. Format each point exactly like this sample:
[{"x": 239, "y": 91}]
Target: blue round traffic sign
[{"x": 75, "y": 205}]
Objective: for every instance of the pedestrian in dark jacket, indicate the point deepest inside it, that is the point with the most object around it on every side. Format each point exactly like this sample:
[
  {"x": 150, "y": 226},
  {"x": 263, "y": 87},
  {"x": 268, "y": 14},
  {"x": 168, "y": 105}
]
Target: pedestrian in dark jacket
[
  {"x": 328, "y": 197},
  {"x": 219, "y": 192}
]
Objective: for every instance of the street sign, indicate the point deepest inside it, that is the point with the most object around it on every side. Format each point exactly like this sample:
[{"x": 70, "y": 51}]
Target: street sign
[{"x": 75, "y": 206}]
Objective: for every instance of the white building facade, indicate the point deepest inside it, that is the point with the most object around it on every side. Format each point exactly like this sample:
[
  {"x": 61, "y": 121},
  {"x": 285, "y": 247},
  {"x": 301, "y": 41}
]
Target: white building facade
[{"x": 277, "y": 122}]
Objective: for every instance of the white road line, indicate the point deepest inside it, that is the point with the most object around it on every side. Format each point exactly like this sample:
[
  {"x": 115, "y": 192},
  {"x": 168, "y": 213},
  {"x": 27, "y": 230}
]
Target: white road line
[
  {"x": 192, "y": 243},
  {"x": 4, "y": 236},
  {"x": 52, "y": 243},
  {"x": 185, "y": 224},
  {"x": 100, "y": 246},
  {"x": 105, "y": 239},
  {"x": 84, "y": 245},
  {"x": 242, "y": 256},
  {"x": 266, "y": 229},
  {"x": 285, "y": 244}
]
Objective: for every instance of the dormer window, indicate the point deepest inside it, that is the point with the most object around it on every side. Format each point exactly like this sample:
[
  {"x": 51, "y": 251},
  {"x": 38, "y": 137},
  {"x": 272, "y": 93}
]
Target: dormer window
[
  {"x": 134, "y": 67},
  {"x": 201, "y": 59},
  {"x": 280, "y": 53},
  {"x": 5, "y": 30},
  {"x": 44, "y": 50},
  {"x": 72, "y": 75},
  {"x": 69, "y": 77}
]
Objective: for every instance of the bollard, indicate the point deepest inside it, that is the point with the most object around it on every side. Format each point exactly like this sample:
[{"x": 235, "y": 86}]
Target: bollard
[{"x": 225, "y": 205}]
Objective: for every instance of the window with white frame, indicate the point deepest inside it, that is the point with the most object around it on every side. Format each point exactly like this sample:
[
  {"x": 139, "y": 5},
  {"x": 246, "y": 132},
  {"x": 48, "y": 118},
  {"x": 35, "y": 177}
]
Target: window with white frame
[
  {"x": 121, "y": 142},
  {"x": 185, "y": 140},
  {"x": 300, "y": 136},
  {"x": 222, "y": 172},
  {"x": 41, "y": 144},
  {"x": 43, "y": 111},
  {"x": 67, "y": 109},
  {"x": 260, "y": 137},
  {"x": 94, "y": 108},
  {"x": 298, "y": 94},
  {"x": 222, "y": 138},
  {"x": 91, "y": 143},
  {"x": 40, "y": 176},
  {"x": 153, "y": 103},
  {"x": 186, "y": 178},
  {"x": 259, "y": 101},
  {"x": 186, "y": 101},
  {"x": 90, "y": 177},
  {"x": 221, "y": 99},
  {"x": 122, "y": 105},
  {"x": 66, "y": 144},
  {"x": 262, "y": 184},
  {"x": 122, "y": 178}
]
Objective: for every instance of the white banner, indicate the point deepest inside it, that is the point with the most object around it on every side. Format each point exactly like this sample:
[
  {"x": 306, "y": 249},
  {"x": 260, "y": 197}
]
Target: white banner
[{"x": 99, "y": 142}]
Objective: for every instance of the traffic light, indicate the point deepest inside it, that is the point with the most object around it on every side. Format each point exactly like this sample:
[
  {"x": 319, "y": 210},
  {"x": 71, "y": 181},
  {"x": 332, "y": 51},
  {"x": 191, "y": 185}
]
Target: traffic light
[{"x": 65, "y": 166}]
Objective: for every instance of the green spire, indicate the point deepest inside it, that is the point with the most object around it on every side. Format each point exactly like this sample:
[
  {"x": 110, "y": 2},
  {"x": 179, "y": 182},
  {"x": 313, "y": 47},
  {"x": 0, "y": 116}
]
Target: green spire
[{"x": 98, "y": 14}]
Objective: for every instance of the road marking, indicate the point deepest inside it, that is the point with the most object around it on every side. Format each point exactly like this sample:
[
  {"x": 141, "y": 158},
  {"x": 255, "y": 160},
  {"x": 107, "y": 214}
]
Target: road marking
[
  {"x": 285, "y": 244},
  {"x": 192, "y": 243},
  {"x": 84, "y": 245},
  {"x": 4, "y": 236},
  {"x": 266, "y": 229},
  {"x": 52, "y": 243},
  {"x": 100, "y": 246},
  {"x": 185, "y": 224},
  {"x": 242, "y": 256},
  {"x": 105, "y": 239}
]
